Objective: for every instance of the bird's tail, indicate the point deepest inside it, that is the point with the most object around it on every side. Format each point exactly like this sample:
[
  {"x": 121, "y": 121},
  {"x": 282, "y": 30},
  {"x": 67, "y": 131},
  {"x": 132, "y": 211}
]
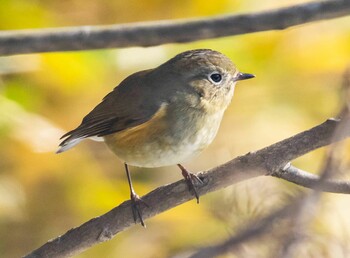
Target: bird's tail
[{"x": 68, "y": 143}]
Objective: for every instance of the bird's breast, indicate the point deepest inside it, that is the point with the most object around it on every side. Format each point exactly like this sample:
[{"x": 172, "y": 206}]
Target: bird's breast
[{"x": 168, "y": 138}]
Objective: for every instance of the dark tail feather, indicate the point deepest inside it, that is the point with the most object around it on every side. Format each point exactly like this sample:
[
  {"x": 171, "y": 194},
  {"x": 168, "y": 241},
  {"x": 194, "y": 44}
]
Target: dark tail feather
[{"x": 68, "y": 143}]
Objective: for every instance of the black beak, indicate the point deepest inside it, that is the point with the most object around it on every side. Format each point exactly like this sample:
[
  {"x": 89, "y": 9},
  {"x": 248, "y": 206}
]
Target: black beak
[{"x": 243, "y": 76}]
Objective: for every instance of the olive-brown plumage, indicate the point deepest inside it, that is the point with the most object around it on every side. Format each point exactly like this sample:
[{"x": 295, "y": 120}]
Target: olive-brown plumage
[{"x": 163, "y": 116}]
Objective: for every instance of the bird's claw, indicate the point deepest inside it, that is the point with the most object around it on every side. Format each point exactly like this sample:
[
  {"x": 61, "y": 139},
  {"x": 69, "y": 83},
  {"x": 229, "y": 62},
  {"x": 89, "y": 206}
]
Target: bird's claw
[{"x": 136, "y": 201}]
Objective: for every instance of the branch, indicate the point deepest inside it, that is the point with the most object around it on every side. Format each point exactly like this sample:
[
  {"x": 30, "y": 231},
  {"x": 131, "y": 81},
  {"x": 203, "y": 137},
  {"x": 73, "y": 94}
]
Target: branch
[
  {"x": 269, "y": 160},
  {"x": 299, "y": 211},
  {"x": 303, "y": 208},
  {"x": 161, "y": 32},
  {"x": 306, "y": 179}
]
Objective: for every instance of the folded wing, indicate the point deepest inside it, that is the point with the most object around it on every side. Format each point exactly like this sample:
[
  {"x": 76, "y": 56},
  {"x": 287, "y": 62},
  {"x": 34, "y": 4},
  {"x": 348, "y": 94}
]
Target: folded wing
[{"x": 128, "y": 105}]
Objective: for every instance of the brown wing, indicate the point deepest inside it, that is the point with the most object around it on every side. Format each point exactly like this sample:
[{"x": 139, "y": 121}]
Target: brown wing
[{"x": 130, "y": 104}]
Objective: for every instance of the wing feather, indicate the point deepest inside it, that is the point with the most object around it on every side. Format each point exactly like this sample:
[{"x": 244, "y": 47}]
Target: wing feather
[{"x": 128, "y": 105}]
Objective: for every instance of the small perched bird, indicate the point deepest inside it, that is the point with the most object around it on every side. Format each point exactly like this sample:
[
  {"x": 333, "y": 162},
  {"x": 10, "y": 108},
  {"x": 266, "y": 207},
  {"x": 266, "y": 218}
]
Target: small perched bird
[{"x": 163, "y": 116}]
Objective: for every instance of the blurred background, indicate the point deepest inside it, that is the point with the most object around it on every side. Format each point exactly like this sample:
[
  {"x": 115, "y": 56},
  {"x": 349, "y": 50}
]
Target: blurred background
[{"x": 298, "y": 80}]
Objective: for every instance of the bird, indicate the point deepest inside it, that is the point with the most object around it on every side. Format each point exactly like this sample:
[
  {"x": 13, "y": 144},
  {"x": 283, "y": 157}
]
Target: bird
[{"x": 163, "y": 116}]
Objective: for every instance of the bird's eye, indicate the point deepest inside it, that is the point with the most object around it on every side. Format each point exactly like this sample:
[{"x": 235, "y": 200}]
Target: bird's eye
[{"x": 215, "y": 77}]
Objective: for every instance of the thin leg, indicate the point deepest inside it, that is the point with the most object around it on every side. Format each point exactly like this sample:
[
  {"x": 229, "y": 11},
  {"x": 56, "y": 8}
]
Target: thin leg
[
  {"x": 135, "y": 199},
  {"x": 191, "y": 180}
]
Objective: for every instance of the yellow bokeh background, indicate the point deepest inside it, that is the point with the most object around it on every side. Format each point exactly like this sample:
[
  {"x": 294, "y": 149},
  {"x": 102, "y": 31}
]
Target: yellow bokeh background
[{"x": 42, "y": 195}]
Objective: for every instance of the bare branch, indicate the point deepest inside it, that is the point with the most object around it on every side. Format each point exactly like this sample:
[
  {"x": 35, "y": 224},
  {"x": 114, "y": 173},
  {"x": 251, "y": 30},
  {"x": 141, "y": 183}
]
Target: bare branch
[
  {"x": 299, "y": 211},
  {"x": 331, "y": 167},
  {"x": 306, "y": 179},
  {"x": 161, "y": 32},
  {"x": 265, "y": 161},
  {"x": 300, "y": 215}
]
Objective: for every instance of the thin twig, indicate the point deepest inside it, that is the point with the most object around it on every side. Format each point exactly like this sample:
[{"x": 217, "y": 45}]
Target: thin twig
[{"x": 312, "y": 181}]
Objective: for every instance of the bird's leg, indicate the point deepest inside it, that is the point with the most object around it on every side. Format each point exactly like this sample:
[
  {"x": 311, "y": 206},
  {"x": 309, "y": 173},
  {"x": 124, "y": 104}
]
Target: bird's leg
[
  {"x": 135, "y": 199},
  {"x": 191, "y": 180}
]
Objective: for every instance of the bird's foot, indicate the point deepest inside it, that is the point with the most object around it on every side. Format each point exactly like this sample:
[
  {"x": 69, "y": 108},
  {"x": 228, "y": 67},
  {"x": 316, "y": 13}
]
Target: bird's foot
[
  {"x": 136, "y": 201},
  {"x": 192, "y": 180}
]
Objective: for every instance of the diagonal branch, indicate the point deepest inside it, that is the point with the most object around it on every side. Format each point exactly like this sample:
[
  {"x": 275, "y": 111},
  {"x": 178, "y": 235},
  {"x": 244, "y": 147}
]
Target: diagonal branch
[
  {"x": 302, "y": 209},
  {"x": 161, "y": 32},
  {"x": 269, "y": 160}
]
